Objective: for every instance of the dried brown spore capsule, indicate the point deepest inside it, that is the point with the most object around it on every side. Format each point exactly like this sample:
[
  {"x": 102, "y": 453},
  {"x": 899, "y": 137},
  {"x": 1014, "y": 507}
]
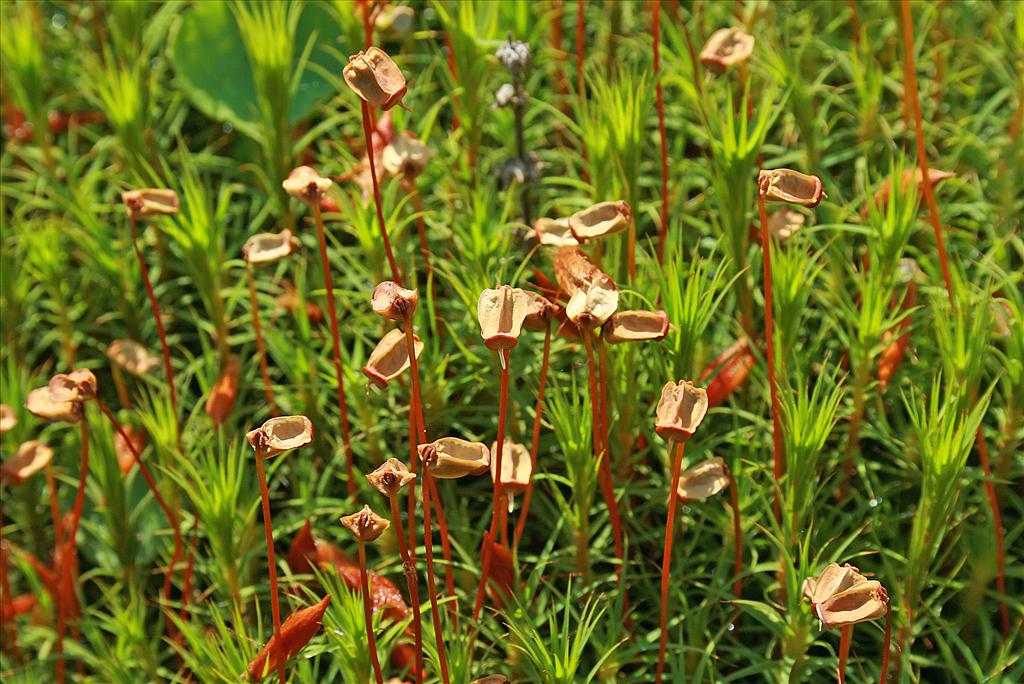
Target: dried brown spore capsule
[
  {"x": 391, "y": 477},
  {"x": 281, "y": 434},
  {"x": 375, "y": 77},
  {"x": 266, "y": 248},
  {"x": 600, "y": 220},
  {"x": 725, "y": 48},
  {"x": 366, "y": 525},
  {"x": 792, "y": 187},
  {"x": 390, "y": 358},
  {"x": 306, "y": 185},
  {"x": 132, "y": 357},
  {"x": 392, "y": 301},
  {"x": 30, "y": 458},
  {"x": 635, "y": 326},
  {"x": 151, "y": 202},
  {"x": 593, "y": 295},
  {"x": 449, "y": 458},
  {"x": 501, "y": 312},
  {"x": 680, "y": 410},
  {"x": 704, "y": 480}
]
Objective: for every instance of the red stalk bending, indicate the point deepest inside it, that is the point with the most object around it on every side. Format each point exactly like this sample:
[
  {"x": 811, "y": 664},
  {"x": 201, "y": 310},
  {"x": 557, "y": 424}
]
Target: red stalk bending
[
  {"x": 428, "y": 545},
  {"x": 778, "y": 465},
  {"x": 338, "y": 369},
  {"x": 504, "y": 356},
  {"x": 663, "y": 228},
  {"x": 368, "y": 614},
  {"x": 275, "y": 608},
  {"x": 261, "y": 351},
  {"x": 368, "y": 135},
  {"x": 535, "y": 443},
  {"x": 910, "y": 88},
  {"x": 666, "y": 557},
  {"x": 164, "y": 349}
]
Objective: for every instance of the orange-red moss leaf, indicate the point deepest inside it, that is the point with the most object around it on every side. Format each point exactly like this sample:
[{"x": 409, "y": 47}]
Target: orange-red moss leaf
[{"x": 296, "y": 632}]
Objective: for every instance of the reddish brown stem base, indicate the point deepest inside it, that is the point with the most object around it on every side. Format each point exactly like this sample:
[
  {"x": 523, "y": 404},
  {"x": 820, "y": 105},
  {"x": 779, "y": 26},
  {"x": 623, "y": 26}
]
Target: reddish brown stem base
[
  {"x": 778, "y": 463},
  {"x": 412, "y": 581},
  {"x": 68, "y": 555},
  {"x": 261, "y": 350},
  {"x": 535, "y": 440},
  {"x": 275, "y": 608},
  {"x": 666, "y": 558},
  {"x": 845, "y": 637},
  {"x": 368, "y": 135},
  {"x": 368, "y": 614},
  {"x": 428, "y": 546}
]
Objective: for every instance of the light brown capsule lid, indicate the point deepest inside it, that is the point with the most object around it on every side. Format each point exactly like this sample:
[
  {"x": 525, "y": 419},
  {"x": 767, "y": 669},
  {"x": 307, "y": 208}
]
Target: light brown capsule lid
[
  {"x": 516, "y": 466},
  {"x": 554, "y": 232},
  {"x": 281, "y": 434},
  {"x": 703, "y": 480},
  {"x": 792, "y": 187},
  {"x": 391, "y": 477},
  {"x": 680, "y": 410},
  {"x": 8, "y": 419},
  {"x": 406, "y": 155},
  {"x": 266, "y": 248},
  {"x": 306, "y": 185},
  {"x": 501, "y": 312},
  {"x": 77, "y": 385},
  {"x": 635, "y": 326},
  {"x": 864, "y": 601},
  {"x": 833, "y": 579},
  {"x": 784, "y": 223},
  {"x": 151, "y": 201},
  {"x": 726, "y": 47},
  {"x": 41, "y": 404},
  {"x": 450, "y": 458},
  {"x": 390, "y": 358},
  {"x": 375, "y": 77},
  {"x": 366, "y": 525},
  {"x": 600, "y": 220},
  {"x": 132, "y": 357},
  {"x": 392, "y": 301},
  {"x": 593, "y": 306},
  {"x": 30, "y": 458}
]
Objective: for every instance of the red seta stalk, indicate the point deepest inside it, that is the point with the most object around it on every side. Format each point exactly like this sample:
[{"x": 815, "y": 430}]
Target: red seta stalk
[
  {"x": 886, "y": 643},
  {"x": 666, "y": 558},
  {"x": 368, "y": 614},
  {"x": 581, "y": 87},
  {"x": 601, "y": 451},
  {"x": 368, "y": 135},
  {"x": 845, "y": 637},
  {"x": 737, "y": 533},
  {"x": 164, "y": 349},
  {"x": 68, "y": 555},
  {"x": 913, "y": 103},
  {"x": 778, "y": 463},
  {"x": 172, "y": 519},
  {"x": 428, "y": 545},
  {"x": 336, "y": 344},
  {"x": 413, "y": 582},
  {"x": 498, "y": 498},
  {"x": 663, "y": 227},
  {"x": 261, "y": 351},
  {"x": 275, "y": 607},
  {"x": 535, "y": 443}
]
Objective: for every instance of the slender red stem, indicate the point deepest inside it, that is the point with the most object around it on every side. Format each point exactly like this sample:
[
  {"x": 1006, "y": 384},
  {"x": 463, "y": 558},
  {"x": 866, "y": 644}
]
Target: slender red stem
[
  {"x": 368, "y": 135},
  {"x": 997, "y": 523},
  {"x": 886, "y": 643},
  {"x": 581, "y": 86},
  {"x": 490, "y": 538},
  {"x": 164, "y": 349},
  {"x": 68, "y": 556},
  {"x": 666, "y": 557},
  {"x": 446, "y": 549},
  {"x": 172, "y": 519},
  {"x": 845, "y": 637},
  {"x": 368, "y": 614},
  {"x": 778, "y": 462},
  {"x": 261, "y": 351},
  {"x": 737, "y": 533},
  {"x": 910, "y": 87},
  {"x": 275, "y": 607},
  {"x": 535, "y": 442},
  {"x": 336, "y": 350},
  {"x": 428, "y": 545},
  {"x": 604, "y": 470},
  {"x": 413, "y": 582},
  {"x": 367, "y": 23}
]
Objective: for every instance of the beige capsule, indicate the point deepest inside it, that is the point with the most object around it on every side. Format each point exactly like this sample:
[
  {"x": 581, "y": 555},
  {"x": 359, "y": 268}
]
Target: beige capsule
[
  {"x": 554, "y": 232},
  {"x": 365, "y": 524},
  {"x": 792, "y": 187},
  {"x": 391, "y": 300},
  {"x": 281, "y": 434},
  {"x": 78, "y": 385},
  {"x": 593, "y": 295},
  {"x": 635, "y": 326},
  {"x": 935, "y": 176},
  {"x": 395, "y": 19},
  {"x": 132, "y": 357},
  {"x": 30, "y": 458},
  {"x": 306, "y": 185},
  {"x": 406, "y": 156},
  {"x": 390, "y": 358},
  {"x": 516, "y": 468},
  {"x": 151, "y": 202},
  {"x": 680, "y": 410},
  {"x": 864, "y": 601},
  {"x": 41, "y": 404},
  {"x": 375, "y": 77},
  {"x": 266, "y": 248},
  {"x": 784, "y": 223},
  {"x": 600, "y": 220},
  {"x": 501, "y": 312},
  {"x": 539, "y": 312},
  {"x": 833, "y": 579},
  {"x": 704, "y": 480},
  {"x": 725, "y": 48},
  {"x": 449, "y": 458},
  {"x": 8, "y": 419},
  {"x": 391, "y": 477}
]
